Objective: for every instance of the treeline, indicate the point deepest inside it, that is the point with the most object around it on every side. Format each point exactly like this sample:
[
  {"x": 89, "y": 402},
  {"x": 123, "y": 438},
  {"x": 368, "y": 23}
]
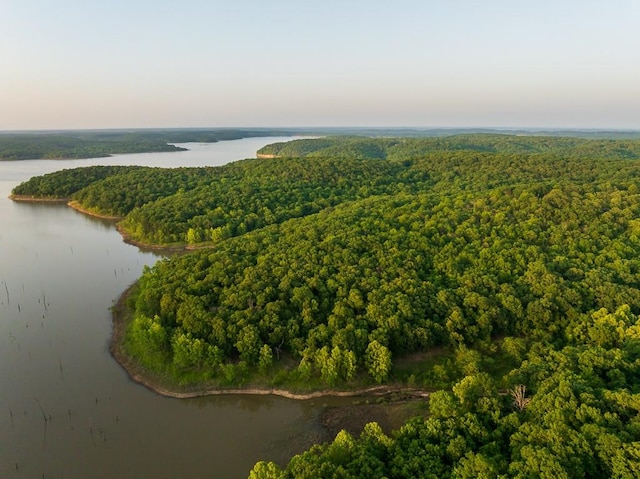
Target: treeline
[
  {"x": 95, "y": 144},
  {"x": 408, "y": 148},
  {"x": 100, "y": 143},
  {"x": 58, "y": 146}
]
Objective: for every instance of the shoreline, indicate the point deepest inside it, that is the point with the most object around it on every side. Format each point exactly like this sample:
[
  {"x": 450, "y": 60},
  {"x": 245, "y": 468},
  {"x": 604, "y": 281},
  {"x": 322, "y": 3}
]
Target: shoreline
[
  {"x": 147, "y": 246},
  {"x": 137, "y": 373},
  {"x": 69, "y": 202},
  {"x": 35, "y": 199},
  {"x": 76, "y": 206}
]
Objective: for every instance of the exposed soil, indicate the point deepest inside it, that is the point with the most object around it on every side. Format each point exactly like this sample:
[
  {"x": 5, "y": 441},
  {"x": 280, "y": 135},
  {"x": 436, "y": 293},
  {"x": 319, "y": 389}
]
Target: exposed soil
[{"x": 389, "y": 415}]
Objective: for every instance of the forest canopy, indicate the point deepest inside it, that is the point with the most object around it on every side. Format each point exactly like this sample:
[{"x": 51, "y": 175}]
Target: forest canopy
[{"x": 333, "y": 260}]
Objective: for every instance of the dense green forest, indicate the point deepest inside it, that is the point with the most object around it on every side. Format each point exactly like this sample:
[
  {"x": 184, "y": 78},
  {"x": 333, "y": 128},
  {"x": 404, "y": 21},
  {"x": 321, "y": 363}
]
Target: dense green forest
[
  {"x": 578, "y": 418},
  {"x": 95, "y": 144},
  {"x": 409, "y": 148},
  {"x": 503, "y": 270}
]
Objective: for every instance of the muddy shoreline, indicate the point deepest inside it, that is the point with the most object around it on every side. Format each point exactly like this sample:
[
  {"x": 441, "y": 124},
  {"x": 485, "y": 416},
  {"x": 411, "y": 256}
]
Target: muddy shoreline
[
  {"x": 389, "y": 406},
  {"x": 146, "y": 379},
  {"x": 139, "y": 375},
  {"x": 35, "y": 199}
]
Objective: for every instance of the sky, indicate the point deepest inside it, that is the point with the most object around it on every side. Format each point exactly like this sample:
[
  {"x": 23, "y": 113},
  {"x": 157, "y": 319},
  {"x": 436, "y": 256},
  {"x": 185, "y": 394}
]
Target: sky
[{"x": 297, "y": 63}]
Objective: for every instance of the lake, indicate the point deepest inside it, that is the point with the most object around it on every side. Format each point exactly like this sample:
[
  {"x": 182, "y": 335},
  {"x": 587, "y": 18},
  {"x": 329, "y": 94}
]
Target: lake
[{"x": 67, "y": 409}]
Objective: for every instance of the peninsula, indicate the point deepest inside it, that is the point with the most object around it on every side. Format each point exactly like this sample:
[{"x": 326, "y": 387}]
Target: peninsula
[{"x": 466, "y": 265}]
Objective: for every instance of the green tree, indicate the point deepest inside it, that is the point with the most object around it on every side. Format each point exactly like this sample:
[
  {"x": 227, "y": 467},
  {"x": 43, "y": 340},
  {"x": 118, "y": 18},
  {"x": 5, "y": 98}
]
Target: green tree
[
  {"x": 266, "y": 470},
  {"x": 378, "y": 360},
  {"x": 266, "y": 358}
]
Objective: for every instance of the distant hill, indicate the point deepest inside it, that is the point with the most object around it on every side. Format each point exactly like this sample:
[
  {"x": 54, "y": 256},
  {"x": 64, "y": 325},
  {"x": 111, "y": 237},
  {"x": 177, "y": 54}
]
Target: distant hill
[
  {"x": 56, "y": 144},
  {"x": 96, "y": 144}
]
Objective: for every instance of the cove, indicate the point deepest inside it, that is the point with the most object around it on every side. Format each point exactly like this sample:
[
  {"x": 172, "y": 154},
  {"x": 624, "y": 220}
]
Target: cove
[{"x": 67, "y": 409}]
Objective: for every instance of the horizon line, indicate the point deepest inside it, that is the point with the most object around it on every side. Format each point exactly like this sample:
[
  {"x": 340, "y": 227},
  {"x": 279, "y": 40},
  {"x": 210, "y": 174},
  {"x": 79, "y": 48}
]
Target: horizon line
[{"x": 330, "y": 127}]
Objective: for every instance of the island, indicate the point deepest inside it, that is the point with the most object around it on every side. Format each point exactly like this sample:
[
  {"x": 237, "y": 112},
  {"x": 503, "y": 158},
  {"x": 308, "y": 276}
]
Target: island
[{"x": 495, "y": 277}]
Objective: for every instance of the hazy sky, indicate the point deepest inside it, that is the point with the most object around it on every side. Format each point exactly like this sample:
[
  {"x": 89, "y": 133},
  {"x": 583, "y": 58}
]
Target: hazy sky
[{"x": 188, "y": 63}]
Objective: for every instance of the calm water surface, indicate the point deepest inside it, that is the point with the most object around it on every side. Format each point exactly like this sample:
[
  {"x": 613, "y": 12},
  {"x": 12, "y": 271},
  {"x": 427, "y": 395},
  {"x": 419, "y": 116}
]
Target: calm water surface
[{"x": 67, "y": 410}]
